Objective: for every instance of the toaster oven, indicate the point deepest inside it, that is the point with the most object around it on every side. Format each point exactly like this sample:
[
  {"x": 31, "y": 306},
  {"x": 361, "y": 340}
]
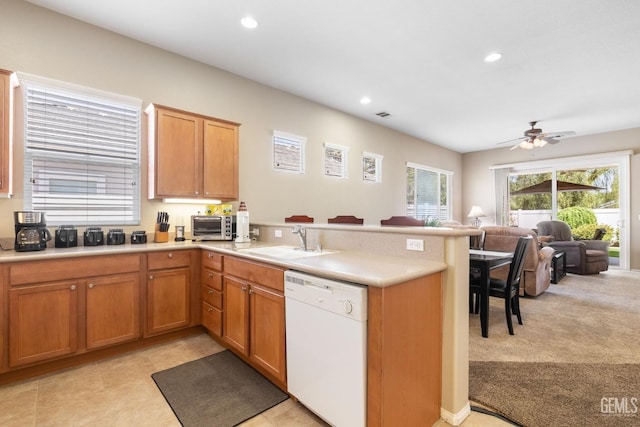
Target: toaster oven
[{"x": 213, "y": 227}]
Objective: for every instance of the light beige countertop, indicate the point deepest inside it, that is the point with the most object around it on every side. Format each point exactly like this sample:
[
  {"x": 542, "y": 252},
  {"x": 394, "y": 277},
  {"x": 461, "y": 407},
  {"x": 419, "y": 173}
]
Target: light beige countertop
[{"x": 351, "y": 266}]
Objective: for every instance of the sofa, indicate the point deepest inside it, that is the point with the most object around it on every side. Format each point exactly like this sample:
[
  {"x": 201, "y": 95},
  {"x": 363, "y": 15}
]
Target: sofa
[
  {"x": 582, "y": 256},
  {"x": 536, "y": 276}
]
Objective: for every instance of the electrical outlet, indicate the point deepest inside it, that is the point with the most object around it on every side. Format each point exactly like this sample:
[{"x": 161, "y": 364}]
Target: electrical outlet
[
  {"x": 256, "y": 231},
  {"x": 415, "y": 245},
  {"x": 278, "y": 233}
]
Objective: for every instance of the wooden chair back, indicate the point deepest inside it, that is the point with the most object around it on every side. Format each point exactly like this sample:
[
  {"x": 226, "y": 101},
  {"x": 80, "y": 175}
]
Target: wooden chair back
[
  {"x": 345, "y": 219},
  {"x": 298, "y": 218},
  {"x": 403, "y": 220}
]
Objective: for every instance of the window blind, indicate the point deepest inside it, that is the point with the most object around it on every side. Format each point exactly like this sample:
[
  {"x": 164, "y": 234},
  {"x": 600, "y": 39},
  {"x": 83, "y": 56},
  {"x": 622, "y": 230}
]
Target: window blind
[
  {"x": 81, "y": 156},
  {"x": 428, "y": 193}
]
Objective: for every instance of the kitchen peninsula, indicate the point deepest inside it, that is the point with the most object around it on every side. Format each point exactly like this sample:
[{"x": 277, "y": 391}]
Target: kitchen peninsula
[{"x": 372, "y": 256}]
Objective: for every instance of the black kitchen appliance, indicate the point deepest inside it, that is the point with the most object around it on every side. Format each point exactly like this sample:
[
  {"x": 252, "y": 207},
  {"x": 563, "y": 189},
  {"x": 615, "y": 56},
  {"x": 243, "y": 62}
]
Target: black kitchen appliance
[
  {"x": 138, "y": 237},
  {"x": 31, "y": 231},
  {"x": 115, "y": 236},
  {"x": 93, "y": 236},
  {"x": 66, "y": 236}
]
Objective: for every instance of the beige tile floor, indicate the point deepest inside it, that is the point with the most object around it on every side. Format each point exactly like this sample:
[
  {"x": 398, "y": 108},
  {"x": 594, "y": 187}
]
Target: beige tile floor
[{"x": 119, "y": 391}]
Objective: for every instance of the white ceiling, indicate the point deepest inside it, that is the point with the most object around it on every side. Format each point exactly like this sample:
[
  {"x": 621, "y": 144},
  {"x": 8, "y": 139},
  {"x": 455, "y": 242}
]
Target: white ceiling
[{"x": 571, "y": 64}]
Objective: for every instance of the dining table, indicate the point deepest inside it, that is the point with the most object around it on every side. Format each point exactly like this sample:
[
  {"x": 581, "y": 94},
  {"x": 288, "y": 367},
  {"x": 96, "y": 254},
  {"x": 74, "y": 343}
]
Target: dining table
[{"x": 484, "y": 262}]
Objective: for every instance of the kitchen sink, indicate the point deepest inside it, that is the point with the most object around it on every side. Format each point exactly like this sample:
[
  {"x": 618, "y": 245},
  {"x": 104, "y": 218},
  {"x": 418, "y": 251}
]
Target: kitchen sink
[{"x": 284, "y": 252}]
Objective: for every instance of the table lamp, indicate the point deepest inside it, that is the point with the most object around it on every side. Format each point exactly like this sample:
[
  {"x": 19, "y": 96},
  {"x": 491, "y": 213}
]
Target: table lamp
[{"x": 475, "y": 213}]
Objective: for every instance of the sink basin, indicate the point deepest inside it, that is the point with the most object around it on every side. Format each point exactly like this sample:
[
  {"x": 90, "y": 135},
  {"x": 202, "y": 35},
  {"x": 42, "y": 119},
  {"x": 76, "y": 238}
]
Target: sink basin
[{"x": 284, "y": 252}]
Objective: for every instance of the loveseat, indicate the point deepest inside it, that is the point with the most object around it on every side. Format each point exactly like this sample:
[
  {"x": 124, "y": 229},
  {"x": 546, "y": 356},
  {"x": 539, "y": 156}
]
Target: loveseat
[
  {"x": 583, "y": 256},
  {"x": 536, "y": 275}
]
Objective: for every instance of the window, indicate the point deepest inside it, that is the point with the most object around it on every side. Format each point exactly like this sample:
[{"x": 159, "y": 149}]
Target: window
[
  {"x": 288, "y": 152},
  {"x": 81, "y": 154},
  {"x": 371, "y": 167},
  {"x": 428, "y": 192},
  {"x": 335, "y": 160}
]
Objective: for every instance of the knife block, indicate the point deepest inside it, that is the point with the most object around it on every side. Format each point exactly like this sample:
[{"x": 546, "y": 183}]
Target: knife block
[{"x": 160, "y": 236}]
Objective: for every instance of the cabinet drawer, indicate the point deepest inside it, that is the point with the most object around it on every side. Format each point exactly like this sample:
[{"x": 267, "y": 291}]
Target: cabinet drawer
[
  {"x": 212, "y": 279},
  {"x": 21, "y": 273},
  {"x": 168, "y": 259},
  {"x": 212, "y": 319},
  {"x": 212, "y": 297},
  {"x": 263, "y": 274},
  {"x": 212, "y": 260}
]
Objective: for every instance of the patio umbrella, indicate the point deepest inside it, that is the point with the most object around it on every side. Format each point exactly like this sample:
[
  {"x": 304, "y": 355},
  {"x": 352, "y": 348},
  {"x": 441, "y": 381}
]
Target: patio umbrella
[{"x": 545, "y": 187}]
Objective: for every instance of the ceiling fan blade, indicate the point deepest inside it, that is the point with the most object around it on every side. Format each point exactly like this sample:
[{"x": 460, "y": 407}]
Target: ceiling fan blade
[
  {"x": 522, "y": 138},
  {"x": 550, "y": 140},
  {"x": 514, "y": 147},
  {"x": 559, "y": 134}
]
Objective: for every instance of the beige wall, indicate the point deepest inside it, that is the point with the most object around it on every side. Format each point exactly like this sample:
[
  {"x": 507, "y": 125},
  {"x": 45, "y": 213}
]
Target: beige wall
[
  {"x": 477, "y": 177},
  {"x": 37, "y": 41}
]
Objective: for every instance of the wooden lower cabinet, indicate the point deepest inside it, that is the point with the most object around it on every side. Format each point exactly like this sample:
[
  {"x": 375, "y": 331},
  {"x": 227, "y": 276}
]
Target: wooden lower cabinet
[
  {"x": 211, "y": 288},
  {"x": 169, "y": 291},
  {"x": 267, "y": 330},
  {"x": 168, "y": 300},
  {"x": 42, "y": 322},
  {"x": 113, "y": 310},
  {"x": 45, "y": 319},
  {"x": 253, "y": 315}
]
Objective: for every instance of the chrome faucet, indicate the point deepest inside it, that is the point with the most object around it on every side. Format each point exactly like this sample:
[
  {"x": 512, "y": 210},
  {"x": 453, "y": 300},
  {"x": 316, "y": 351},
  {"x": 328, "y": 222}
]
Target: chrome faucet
[{"x": 302, "y": 234}]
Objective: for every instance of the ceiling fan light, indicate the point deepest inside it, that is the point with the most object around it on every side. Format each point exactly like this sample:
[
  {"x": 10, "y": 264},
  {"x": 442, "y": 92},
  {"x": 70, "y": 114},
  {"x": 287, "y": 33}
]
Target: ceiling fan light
[
  {"x": 543, "y": 142},
  {"x": 525, "y": 145},
  {"x": 538, "y": 142}
]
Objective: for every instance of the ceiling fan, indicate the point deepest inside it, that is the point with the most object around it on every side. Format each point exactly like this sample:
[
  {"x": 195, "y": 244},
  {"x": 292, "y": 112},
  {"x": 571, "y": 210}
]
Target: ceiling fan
[{"x": 534, "y": 138}]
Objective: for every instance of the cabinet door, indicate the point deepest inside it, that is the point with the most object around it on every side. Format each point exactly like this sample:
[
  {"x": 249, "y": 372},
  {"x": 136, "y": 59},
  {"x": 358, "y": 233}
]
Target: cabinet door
[
  {"x": 42, "y": 322},
  {"x": 267, "y": 347},
  {"x": 220, "y": 154},
  {"x": 235, "y": 323},
  {"x": 178, "y": 154},
  {"x": 4, "y": 132},
  {"x": 168, "y": 300},
  {"x": 113, "y": 310}
]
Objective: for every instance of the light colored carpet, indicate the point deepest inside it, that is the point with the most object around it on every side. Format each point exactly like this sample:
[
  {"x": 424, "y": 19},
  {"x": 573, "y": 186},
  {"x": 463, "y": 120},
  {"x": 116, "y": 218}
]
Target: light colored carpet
[
  {"x": 578, "y": 345},
  {"x": 582, "y": 319}
]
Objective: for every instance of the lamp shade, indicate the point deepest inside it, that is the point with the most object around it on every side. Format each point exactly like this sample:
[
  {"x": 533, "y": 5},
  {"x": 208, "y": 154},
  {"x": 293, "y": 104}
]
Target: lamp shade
[{"x": 475, "y": 212}]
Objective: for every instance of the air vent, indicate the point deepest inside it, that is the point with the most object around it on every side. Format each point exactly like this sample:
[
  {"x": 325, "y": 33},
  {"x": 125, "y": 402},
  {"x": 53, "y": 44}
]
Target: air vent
[{"x": 382, "y": 114}]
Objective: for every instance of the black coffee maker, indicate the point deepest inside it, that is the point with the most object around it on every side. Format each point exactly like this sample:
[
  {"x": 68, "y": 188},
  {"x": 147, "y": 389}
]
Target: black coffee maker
[{"x": 31, "y": 231}]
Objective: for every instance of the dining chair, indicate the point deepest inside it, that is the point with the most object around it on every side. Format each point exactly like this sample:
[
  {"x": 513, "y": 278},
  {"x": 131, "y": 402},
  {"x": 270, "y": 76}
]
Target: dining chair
[
  {"x": 345, "y": 219},
  {"x": 298, "y": 218},
  {"x": 402, "y": 220},
  {"x": 507, "y": 289}
]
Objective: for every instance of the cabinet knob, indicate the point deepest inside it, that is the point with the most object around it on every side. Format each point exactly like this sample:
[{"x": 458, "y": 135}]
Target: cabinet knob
[
  {"x": 210, "y": 255},
  {"x": 250, "y": 291},
  {"x": 210, "y": 292},
  {"x": 244, "y": 288},
  {"x": 196, "y": 193},
  {"x": 151, "y": 277},
  {"x": 72, "y": 287},
  {"x": 170, "y": 255},
  {"x": 210, "y": 310},
  {"x": 210, "y": 276},
  {"x": 91, "y": 285}
]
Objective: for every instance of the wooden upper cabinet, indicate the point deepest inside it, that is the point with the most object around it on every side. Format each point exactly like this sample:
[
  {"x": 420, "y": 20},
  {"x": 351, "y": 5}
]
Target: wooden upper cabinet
[
  {"x": 220, "y": 154},
  {"x": 191, "y": 155},
  {"x": 5, "y": 142}
]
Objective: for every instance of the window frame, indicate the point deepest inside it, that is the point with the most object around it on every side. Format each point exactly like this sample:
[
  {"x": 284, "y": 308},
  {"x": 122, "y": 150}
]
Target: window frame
[
  {"x": 441, "y": 173},
  {"x": 71, "y": 152}
]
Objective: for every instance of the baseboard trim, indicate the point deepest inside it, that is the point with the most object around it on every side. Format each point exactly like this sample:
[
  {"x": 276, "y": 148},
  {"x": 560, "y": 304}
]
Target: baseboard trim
[{"x": 457, "y": 418}]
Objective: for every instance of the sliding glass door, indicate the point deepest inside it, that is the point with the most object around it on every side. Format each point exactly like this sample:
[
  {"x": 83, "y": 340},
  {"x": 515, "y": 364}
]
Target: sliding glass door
[{"x": 589, "y": 193}]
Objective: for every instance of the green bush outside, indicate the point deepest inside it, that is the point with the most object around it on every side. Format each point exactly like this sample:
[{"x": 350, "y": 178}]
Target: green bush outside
[
  {"x": 577, "y": 216},
  {"x": 587, "y": 231}
]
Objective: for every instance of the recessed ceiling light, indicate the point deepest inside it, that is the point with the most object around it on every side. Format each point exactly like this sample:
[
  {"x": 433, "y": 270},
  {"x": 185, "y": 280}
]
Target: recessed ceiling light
[
  {"x": 492, "y": 57},
  {"x": 249, "y": 22},
  {"x": 365, "y": 100}
]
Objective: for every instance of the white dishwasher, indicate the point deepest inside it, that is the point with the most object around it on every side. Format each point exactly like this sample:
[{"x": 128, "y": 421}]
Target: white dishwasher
[{"x": 326, "y": 325}]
